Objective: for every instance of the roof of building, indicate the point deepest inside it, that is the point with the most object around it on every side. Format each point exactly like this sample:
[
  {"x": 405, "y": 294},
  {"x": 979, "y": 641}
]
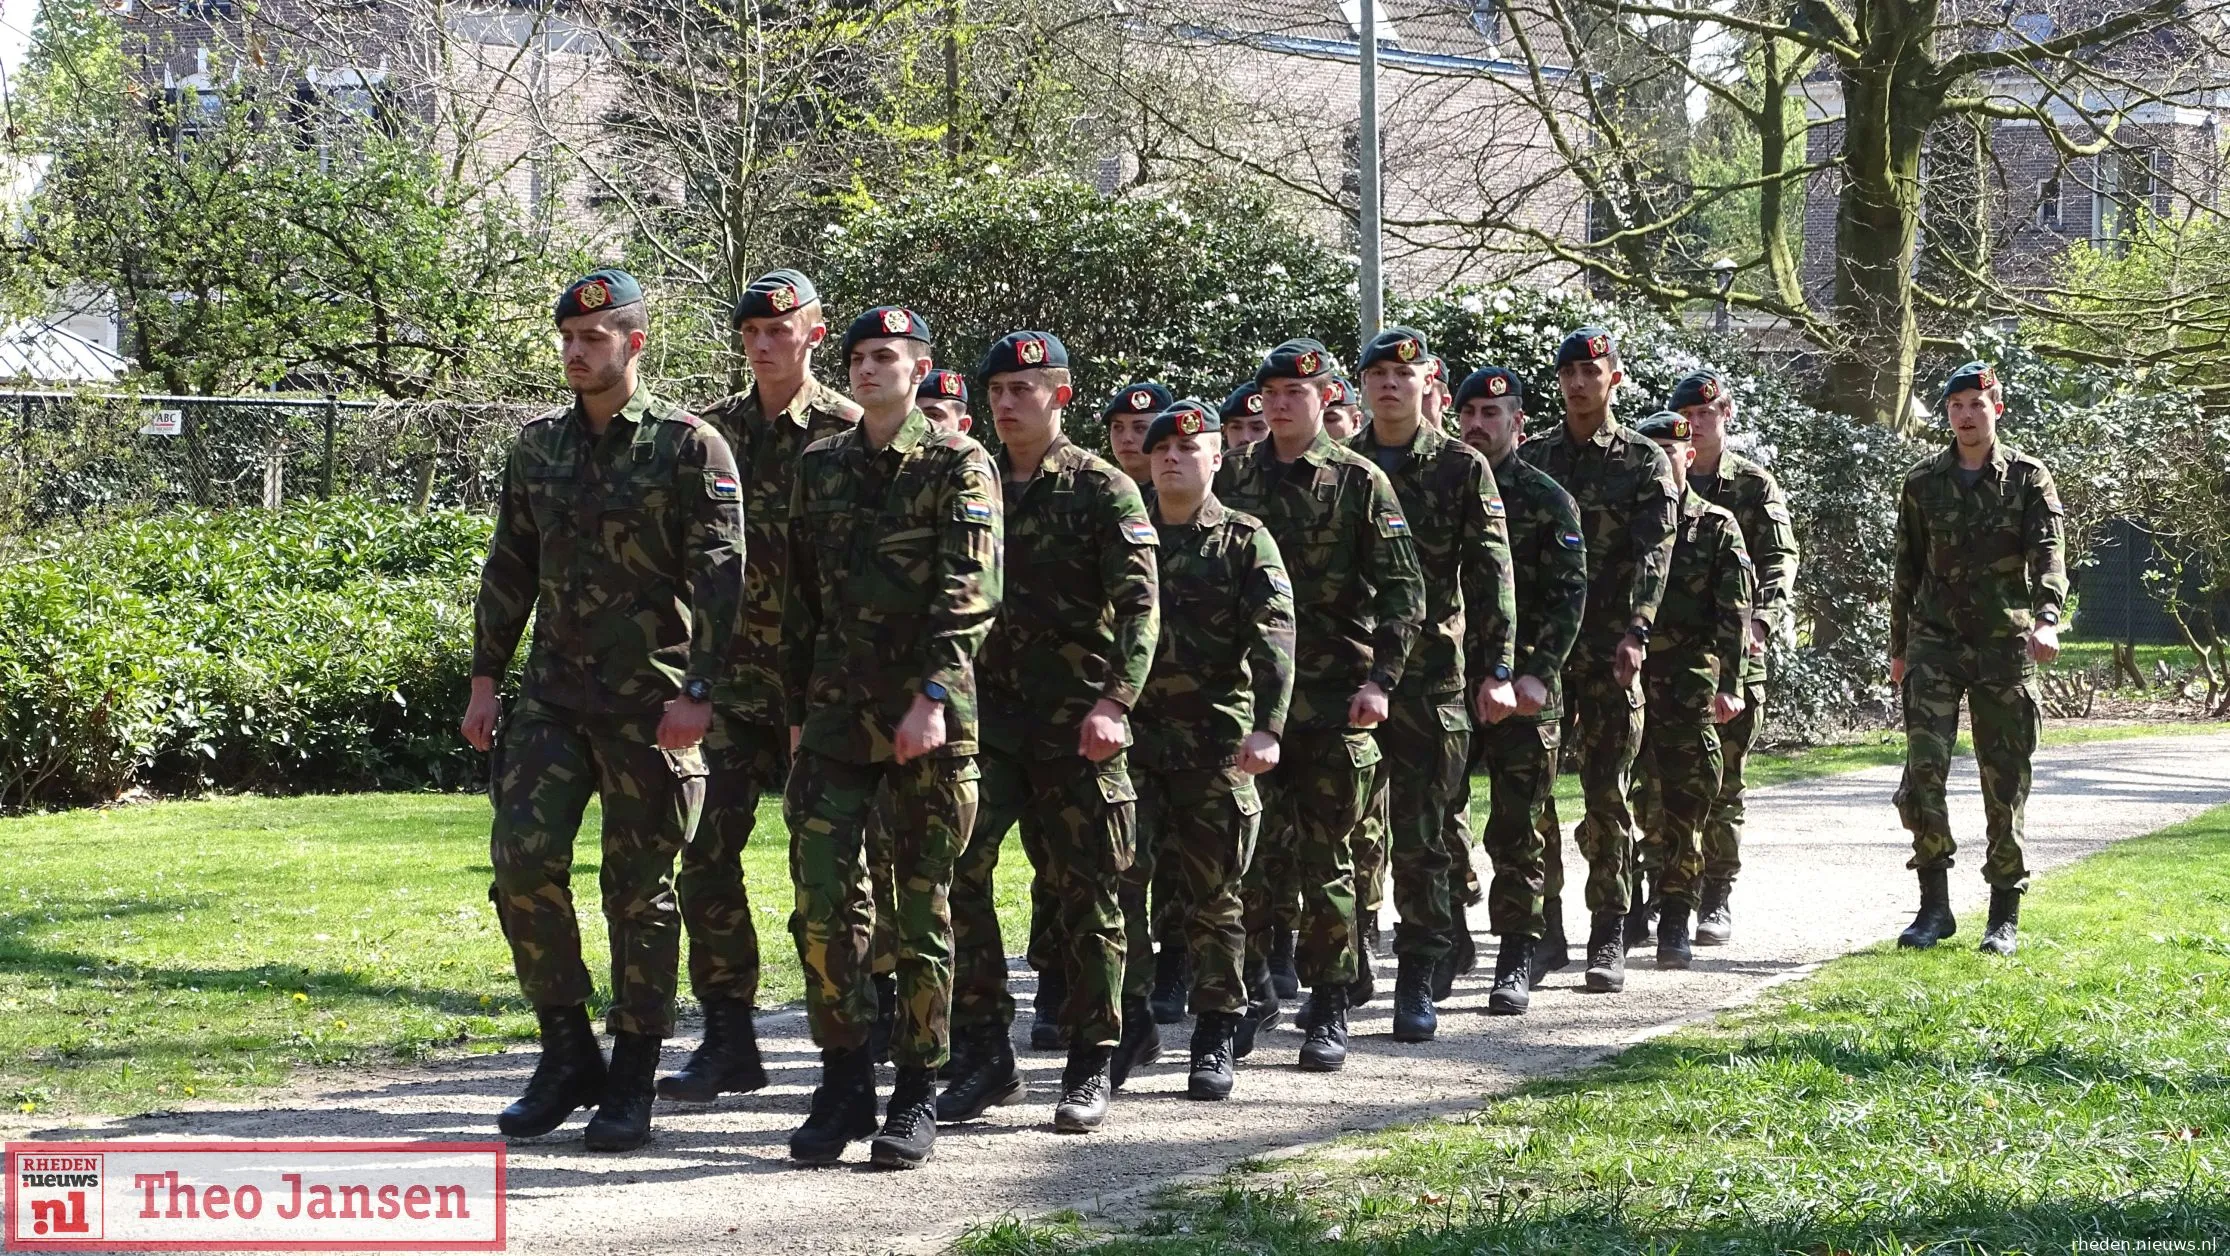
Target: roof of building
[{"x": 34, "y": 349}]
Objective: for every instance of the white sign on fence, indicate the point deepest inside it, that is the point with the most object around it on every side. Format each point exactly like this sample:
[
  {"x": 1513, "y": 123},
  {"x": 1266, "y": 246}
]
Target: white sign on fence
[{"x": 164, "y": 423}]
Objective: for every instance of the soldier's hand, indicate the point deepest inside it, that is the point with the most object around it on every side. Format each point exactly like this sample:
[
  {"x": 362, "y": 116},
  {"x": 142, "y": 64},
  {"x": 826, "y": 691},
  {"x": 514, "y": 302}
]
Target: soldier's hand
[
  {"x": 684, "y": 724},
  {"x": 479, "y": 725},
  {"x": 1368, "y": 707},
  {"x": 1496, "y": 701},
  {"x": 1105, "y": 731},
  {"x": 1725, "y": 707},
  {"x": 921, "y": 732},
  {"x": 1757, "y": 638},
  {"x": 1258, "y": 753},
  {"x": 1626, "y": 663},
  {"x": 1531, "y": 694},
  {"x": 1897, "y": 671},
  {"x": 2044, "y": 642}
]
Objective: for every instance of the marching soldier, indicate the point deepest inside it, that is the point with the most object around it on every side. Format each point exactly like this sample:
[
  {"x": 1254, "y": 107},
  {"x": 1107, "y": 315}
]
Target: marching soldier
[
  {"x": 1127, "y": 415},
  {"x": 1456, "y": 527},
  {"x": 778, "y": 324},
  {"x": 943, "y": 398},
  {"x": 1343, "y": 414},
  {"x": 617, "y": 534},
  {"x": 1359, "y": 601},
  {"x": 1742, "y": 485},
  {"x": 1343, "y": 418},
  {"x": 1207, "y": 723},
  {"x": 1980, "y": 582},
  {"x": 894, "y": 579},
  {"x": 1243, "y": 420},
  {"x": 1549, "y": 555},
  {"x": 1061, "y": 671},
  {"x": 1694, "y": 680},
  {"x": 1628, "y": 505}
]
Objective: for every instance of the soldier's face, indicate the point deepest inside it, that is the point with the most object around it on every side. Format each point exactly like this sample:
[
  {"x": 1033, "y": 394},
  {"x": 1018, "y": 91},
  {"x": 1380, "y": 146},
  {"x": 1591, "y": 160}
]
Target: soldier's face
[
  {"x": 1025, "y": 405},
  {"x": 1491, "y": 426},
  {"x": 886, "y": 372},
  {"x": 596, "y": 352},
  {"x": 1243, "y": 430},
  {"x": 1125, "y": 433},
  {"x": 779, "y": 347},
  {"x": 1587, "y": 386},
  {"x": 1707, "y": 423},
  {"x": 1974, "y": 417},
  {"x": 1342, "y": 422},
  {"x": 946, "y": 413},
  {"x": 1184, "y": 466},
  {"x": 1395, "y": 388},
  {"x": 1295, "y": 408},
  {"x": 1680, "y": 453}
]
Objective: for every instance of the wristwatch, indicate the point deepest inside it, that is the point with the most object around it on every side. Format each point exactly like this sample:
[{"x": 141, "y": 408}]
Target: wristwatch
[
  {"x": 697, "y": 689},
  {"x": 1501, "y": 671},
  {"x": 1639, "y": 632},
  {"x": 2049, "y": 617},
  {"x": 933, "y": 691}
]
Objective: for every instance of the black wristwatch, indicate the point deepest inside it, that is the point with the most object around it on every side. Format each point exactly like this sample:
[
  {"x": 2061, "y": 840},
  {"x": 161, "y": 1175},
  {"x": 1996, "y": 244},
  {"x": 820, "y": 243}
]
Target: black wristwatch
[
  {"x": 697, "y": 689},
  {"x": 1501, "y": 671},
  {"x": 933, "y": 691},
  {"x": 1639, "y": 632}
]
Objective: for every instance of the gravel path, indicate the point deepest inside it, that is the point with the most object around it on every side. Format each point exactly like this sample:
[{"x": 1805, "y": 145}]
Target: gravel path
[{"x": 1824, "y": 874}]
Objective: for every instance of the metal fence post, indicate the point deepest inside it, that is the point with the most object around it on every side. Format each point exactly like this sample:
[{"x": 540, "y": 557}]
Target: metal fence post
[{"x": 332, "y": 425}]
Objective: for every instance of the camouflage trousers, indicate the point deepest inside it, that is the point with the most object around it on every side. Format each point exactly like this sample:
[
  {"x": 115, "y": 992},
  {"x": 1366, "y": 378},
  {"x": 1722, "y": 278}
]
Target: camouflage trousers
[
  {"x": 1676, "y": 777},
  {"x": 829, "y": 805},
  {"x": 2002, "y": 703},
  {"x": 1608, "y": 719},
  {"x": 884, "y": 943},
  {"x": 1455, "y": 832},
  {"x": 1196, "y": 826},
  {"x": 551, "y": 762},
  {"x": 1368, "y": 845},
  {"x": 1310, "y": 805},
  {"x": 1426, "y": 738},
  {"x": 1086, "y": 818},
  {"x": 1722, "y": 833},
  {"x": 742, "y": 761},
  {"x": 1520, "y": 758}
]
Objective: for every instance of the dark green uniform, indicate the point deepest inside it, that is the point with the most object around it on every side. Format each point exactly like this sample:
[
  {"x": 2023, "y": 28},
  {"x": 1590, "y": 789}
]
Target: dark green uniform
[
  {"x": 1624, "y": 489},
  {"x": 1976, "y": 566},
  {"x": 1359, "y": 601},
  {"x": 894, "y": 579},
  {"x": 622, "y": 548},
  {"x": 1078, "y": 625},
  {"x": 1755, "y": 497},
  {"x": 1549, "y": 555},
  {"x": 1223, "y": 670},
  {"x": 1456, "y": 524},
  {"x": 747, "y": 749},
  {"x": 1695, "y": 654}
]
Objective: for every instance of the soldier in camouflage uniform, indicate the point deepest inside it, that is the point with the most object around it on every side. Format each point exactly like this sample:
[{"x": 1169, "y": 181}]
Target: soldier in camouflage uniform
[
  {"x": 1359, "y": 602},
  {"x": 1694, "y": 680},
  {"x": 943, "y": 398},
  {"x": 1208, "y": 723},
  {"x": 1343, "y": 418},
  {"x": 1463, "y": 550},
  {"x": 617, "y": 534},
  {"x": 1548, "y": 552},
  {"x": 1243, "y": 420},
  {"x": 1979, "y": 583},
  {"x": 1061, "y": 671},
  {"x": 1628, "y": 506},
  {"x": 1127, "y": 415},
  {"x": 894, "y": 580}
]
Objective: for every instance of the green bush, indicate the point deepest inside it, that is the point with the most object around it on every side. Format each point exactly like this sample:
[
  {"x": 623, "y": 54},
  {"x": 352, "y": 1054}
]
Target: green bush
[{"x": 323, "y": 646}]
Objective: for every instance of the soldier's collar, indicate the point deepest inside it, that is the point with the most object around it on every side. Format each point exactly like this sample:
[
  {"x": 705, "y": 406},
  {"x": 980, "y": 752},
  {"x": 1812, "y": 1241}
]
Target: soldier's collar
[
  {"x": 1319, "y": 451},
  {"x": 1211, "y": 511},
  {"x": 911, "y": 433},
  {"x": 1692, "y": 502},
  {"x": 638, "y": 407},
  {"x": 1423, "y": 443},
  {"x": 1996, "y": 466}
]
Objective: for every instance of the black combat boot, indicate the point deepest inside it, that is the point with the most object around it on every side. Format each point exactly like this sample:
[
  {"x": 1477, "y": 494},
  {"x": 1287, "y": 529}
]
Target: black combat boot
[
  {"x": 1139, "y": 1046},
  {"x": 1461, "y": 957},
  {"x": 1172, "y": 982},
  {"x": 989, "y": 1080},
  {"x": 909, "y": 1132},
  {"x": 1552, "y": 952},
  {"x": 1935, "y": 921},
  {"x": 886, "y": 1017},
  {"x": 1606, "y": 953},
  {"x": 1047, "y": 1033},
  {"x": 843, "y": 1109},
  {"x": 1641, "y": 917},
  {"x": 1714, "y": 918},
  {"x": 1674, "y": 950},
  {"x": 957, "y": 1060},
  {"x": 569, "y": 1075},
  {"x": 1262, "y": 1013},
  {"x": 622, "y": 1120},
  {"x": 1084, "y": 1091},
  {"x": 1325, "y": 1048},
  {"x": 2003, "y": 936},
  {"x": 1284, "y": 977},
  {"x": 726, "y": 1062},
  {"x": 1513, "y": 976},
  {"x": 1414, "y": 1018},
  {"x": 1214, "y": 1067}
]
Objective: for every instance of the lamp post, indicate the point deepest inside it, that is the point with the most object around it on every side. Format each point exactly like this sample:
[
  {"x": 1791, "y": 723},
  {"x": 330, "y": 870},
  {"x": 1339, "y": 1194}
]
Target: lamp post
[{"x": 1372, "y": 287}]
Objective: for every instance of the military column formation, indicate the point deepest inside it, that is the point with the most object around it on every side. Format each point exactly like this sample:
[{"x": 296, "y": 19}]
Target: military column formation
[{"x": 1225, "y": 685}]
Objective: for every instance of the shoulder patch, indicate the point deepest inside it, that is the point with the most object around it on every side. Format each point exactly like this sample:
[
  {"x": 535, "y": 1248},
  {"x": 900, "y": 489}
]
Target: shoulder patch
[
  {"x": 965, "y": 511},
  {"x": 1495, "y": 507},
  {"x": 722, "y": 486},
  {"x": 1777, "y": 512},
  {"x": 1392, "y": 525},
  {"x": 1572, "y": 541},
  {"x": 1278, "y": 582},
  {"x": 1140, "y": 532}
]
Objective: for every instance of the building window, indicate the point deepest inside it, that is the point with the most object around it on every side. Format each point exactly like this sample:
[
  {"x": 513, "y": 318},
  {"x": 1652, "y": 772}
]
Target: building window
[
  {"x": 1486, "y": 18},
  {"x": 2124, "y": 190},
  {"x": 2048, "y": 204},
  {"x": 1352, "y": 10}
]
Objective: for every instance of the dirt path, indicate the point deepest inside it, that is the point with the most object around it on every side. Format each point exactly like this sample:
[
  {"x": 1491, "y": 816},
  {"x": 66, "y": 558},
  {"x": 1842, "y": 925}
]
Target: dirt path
[{"x": 1824, "y": 873}]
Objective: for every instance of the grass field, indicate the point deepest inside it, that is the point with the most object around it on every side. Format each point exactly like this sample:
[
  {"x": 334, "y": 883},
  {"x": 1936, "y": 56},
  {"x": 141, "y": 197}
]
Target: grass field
[{"x": 1895, "y": 1103}]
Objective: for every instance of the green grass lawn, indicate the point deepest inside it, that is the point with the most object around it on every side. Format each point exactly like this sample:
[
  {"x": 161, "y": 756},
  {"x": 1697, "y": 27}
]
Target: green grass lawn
[{"x": 1896, "y": 1102}]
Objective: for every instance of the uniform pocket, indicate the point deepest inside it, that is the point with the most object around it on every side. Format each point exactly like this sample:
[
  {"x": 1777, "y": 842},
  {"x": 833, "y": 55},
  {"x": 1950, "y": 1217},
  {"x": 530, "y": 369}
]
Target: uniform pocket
[
  {"x": 1119, "y": 819},
  {"x": 1454, "y": 718},
  {"x": 1362, "y": 749},
  {"x": 686, "y": 765}
]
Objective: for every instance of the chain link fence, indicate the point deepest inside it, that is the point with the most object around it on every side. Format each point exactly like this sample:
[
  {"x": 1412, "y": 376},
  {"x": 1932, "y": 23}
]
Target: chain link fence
[{"x": 70, "y": 457}]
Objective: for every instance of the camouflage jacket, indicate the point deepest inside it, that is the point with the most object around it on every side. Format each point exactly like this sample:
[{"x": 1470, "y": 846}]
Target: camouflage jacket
[
  {"x": 1463, "y": 549},
  {"x": 1624, "y": 488},
  {"x": 1976, "y": 566},
  {"x": 1224, "y": 667},
  {"x": 1358, "y": 597},
  {"x": 1549, "y": 554},
  {"x": 894, "y": 579},
  {"x": 624, "y": 550},
  {"x": 1706, "y": 611},
  {"x": 1746, "y": 488},
  {"x": 1082, "y": 605},
  {"x": 767, "y": 454}
]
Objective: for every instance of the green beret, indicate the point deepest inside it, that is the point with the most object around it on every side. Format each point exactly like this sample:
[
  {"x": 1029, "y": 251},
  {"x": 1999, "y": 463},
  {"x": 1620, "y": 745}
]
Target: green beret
[
  {"x": 1244, "y": 400},
  {"x": 1664, "y": 425},
  {"x": 1405, "y": 345},
  {"x": 1023, "y": 351},
  {"x": 1588, "y": 344},
  {"x": 943, "y": 385},
  {"x": 1295, "y": 359},
  {"x": 1698, "y": 389},
  {"x": 774, "y": 294},
  {"x": 1189, "y": 417},
  {"x": 1144, "y": 397},
  {"x": 1490, "y": 381},
  {"x": 885, "y": 322},
  {"x": 1979, "y": 376},
  {"x": 1343, "y": 393},
  {"x": 597, "y": 291}
]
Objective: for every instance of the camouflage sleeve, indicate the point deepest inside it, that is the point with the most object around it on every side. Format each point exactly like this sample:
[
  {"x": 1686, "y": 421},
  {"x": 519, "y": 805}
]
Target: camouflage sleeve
[
  {"x": 1736, "y": 581},
  {"x": 707, "y": 483},
  {"x": 1775, "y": 559},
  {"x": 2043, "y": 523},
  {"x": 1905, "y": 569},
  {"x": 967, "y": 584},
  {"x": 1133, "y": 586},
  {"x": 1490, "y": 581},
  {"x": 1390, "y": 565},
  {"x": 1653, "y": 523},
  {"x": 801, "y": 610},
  {"x": 1267, "y": 595},
  {"x": 509, "y": 579},
  {"x": 1563, "y": 585}
]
